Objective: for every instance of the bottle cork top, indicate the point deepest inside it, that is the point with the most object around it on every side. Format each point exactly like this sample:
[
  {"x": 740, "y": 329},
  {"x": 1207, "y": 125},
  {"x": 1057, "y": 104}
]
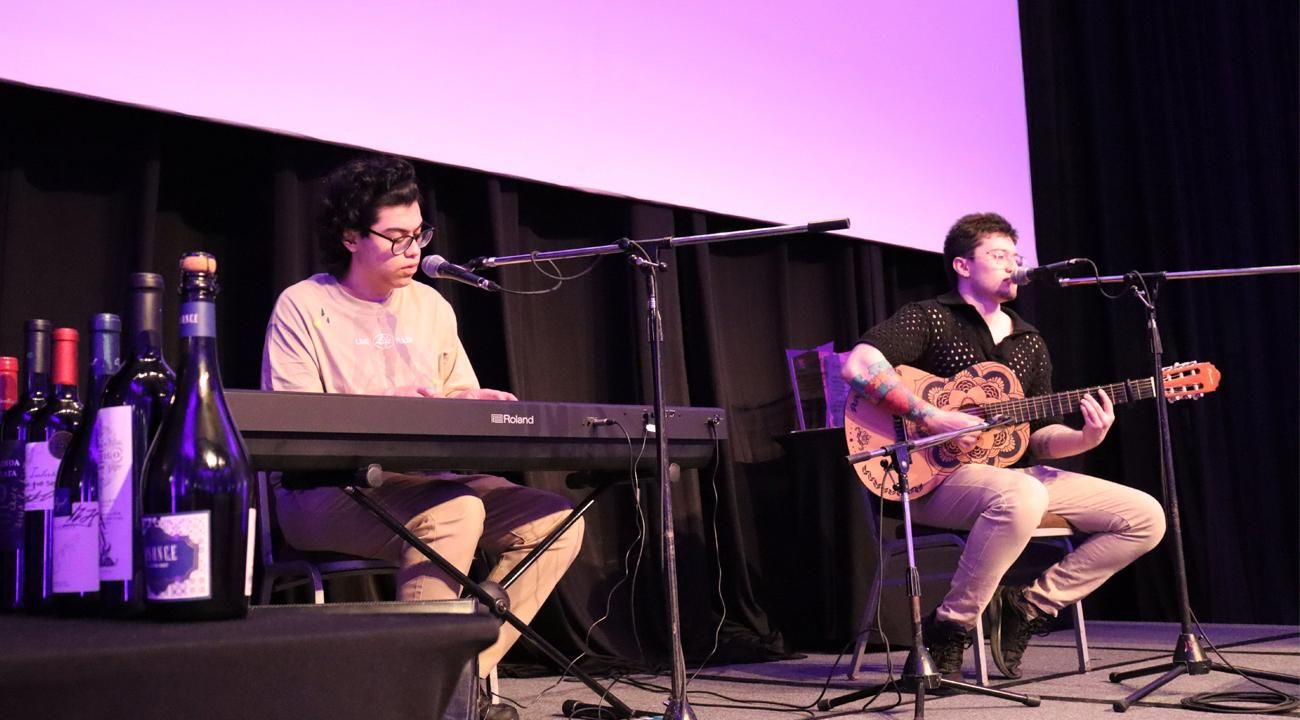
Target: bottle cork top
[
  {"x": 198, "y": 262},
  {"x": 65, "y": 333},
  {"x": 8, "y": 364}
]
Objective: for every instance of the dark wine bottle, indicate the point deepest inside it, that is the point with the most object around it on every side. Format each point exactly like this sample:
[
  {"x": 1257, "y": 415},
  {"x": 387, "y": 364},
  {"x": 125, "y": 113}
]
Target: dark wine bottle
[
  {"x": 76, "y": 520},
  {"x": 14, "y": 425},
  {"x": 196, "y": 526},
  {"x": 131, "y": 411},
  {"x": 48, "y": 437},
  {"x": 8, "y": 382}
]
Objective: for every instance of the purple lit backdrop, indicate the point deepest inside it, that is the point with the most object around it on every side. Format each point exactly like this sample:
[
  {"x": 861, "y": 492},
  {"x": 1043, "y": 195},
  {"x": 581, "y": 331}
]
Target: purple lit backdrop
[{"x": 900, "y": 115}]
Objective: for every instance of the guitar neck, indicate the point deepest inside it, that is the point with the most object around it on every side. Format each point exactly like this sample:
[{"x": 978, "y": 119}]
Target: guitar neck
[{"x": 1063, "y": 403}]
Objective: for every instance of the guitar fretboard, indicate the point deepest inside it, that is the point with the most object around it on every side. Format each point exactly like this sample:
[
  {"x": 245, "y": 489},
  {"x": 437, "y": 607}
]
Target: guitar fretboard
[{"x": 1063, "y": 403}]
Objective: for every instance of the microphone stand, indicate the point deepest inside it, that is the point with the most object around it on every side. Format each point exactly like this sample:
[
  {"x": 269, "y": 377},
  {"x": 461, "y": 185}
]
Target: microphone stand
[
  {"x": 919, "y": 673},
  {"x": 644, "y": 254},
  {"x": 1188, "y": 658}
]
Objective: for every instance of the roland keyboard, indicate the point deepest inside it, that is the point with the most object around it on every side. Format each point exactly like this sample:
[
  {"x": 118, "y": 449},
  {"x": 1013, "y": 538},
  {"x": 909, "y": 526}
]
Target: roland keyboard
[{"x": 320, "y": 431}]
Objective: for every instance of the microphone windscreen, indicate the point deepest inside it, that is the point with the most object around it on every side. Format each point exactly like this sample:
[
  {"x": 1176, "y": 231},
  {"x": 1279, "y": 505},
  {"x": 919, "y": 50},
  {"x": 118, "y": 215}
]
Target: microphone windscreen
[{"x": 431, "y": 264}]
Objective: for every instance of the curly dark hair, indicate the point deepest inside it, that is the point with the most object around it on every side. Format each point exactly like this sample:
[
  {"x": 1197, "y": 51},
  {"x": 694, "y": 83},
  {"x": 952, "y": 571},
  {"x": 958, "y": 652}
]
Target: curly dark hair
[
  {"x": 354, "y": 193},
  {"x": 966, "y": 234}
]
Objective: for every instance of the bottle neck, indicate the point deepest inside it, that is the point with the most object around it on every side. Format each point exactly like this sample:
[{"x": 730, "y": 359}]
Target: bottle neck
[
  {"x": 199, "y": 340},
  {"x": 65, "y": 391},
  {"x": 8, "y": 390},
  {"x": 105, "y": 357},
  {"x": 36, "y": 367},
  {"x": 65, "y": 362},
  {"x": 146, "y": 318},
  {"x": 38, "y": 384}
]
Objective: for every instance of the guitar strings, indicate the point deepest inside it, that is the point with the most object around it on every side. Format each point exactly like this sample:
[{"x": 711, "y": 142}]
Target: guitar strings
[{"x": 1067, "y": 401}]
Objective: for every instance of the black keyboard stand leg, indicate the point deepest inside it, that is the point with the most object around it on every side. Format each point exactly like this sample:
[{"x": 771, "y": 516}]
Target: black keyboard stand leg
[
  {"x": 493, "y": 596},
  {"x": 554, "y": 535}
]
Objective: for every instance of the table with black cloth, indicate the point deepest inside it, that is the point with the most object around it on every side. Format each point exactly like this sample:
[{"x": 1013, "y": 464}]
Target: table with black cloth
[{"x": 365, "y": 660}]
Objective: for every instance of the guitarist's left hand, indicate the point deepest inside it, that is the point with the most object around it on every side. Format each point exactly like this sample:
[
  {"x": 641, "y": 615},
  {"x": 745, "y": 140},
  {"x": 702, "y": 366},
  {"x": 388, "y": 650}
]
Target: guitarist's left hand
[{"x": 1098, "y": 416}]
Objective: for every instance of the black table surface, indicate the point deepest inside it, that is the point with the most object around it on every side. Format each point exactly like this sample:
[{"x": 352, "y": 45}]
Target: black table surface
[{"x": 367, "y": 660}]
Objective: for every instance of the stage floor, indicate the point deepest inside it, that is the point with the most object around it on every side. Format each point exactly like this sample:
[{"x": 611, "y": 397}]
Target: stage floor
[{"x": 742, "y": 692}]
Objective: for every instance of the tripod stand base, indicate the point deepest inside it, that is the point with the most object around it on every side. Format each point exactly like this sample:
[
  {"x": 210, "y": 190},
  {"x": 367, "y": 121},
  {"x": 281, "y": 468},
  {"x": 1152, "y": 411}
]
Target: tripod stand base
[
  {"x": 921, "y": 677},
  {"x": 679, "y": 711},
  {"x": 1189, "y": 659}
]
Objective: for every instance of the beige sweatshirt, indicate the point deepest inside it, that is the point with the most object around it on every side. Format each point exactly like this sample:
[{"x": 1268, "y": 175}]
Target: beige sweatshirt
[{"x": 322, "y": 339}]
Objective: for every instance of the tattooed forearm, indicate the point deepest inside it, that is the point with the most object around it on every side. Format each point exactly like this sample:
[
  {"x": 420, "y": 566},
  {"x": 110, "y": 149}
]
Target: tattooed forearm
[{"x": 883, "y": 387}]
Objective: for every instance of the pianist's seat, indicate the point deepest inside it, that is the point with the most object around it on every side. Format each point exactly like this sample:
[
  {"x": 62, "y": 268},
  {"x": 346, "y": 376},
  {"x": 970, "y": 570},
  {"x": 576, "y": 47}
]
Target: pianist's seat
[{"x": 285, "y": 567}]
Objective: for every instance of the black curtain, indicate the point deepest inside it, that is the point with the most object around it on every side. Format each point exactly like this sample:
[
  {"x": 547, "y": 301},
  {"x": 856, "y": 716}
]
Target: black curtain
[
  {"x": 1162, "y": 137},
  {"x": 92, "y": 191}
]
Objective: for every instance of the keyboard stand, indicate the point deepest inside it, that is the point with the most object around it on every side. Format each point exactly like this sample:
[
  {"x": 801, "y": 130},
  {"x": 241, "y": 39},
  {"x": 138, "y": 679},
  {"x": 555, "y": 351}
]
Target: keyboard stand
[{"x": 492, "y": 595}]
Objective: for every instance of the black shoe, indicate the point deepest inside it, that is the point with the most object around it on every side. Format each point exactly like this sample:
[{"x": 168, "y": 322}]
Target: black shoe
[
  {"x": 1010, "y": 628},
  {"x": 494, "y": 711},
  {"x": 497, "y": 711},
  {"x": 947, "y": 642}
]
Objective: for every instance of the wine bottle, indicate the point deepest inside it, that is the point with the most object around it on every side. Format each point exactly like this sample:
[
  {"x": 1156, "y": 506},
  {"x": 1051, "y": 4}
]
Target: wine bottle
[
  {"x": 131, "y": 411},
  {"x": 14, "y": 425},
  {"x": 48, "y": 437},
  {"x": 76, "y": 532},
  {"x": 196, "y": 526},
  {"x": 8, "y": 382}
]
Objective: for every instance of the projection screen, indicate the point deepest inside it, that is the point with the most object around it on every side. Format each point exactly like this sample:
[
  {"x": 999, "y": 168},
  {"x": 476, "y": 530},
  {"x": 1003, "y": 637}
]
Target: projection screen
[{"x": 899, "y": 115}]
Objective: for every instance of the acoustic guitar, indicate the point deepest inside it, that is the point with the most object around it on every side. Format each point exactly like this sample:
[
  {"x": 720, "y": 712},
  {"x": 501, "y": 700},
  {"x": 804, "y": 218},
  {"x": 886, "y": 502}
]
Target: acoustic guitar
[{"x": 988, "y": 390}]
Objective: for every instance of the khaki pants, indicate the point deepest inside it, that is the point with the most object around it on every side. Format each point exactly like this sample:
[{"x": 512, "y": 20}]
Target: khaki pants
[
  {"x": 1001, "y": 507},
  {"x": 453, "y": 514}
]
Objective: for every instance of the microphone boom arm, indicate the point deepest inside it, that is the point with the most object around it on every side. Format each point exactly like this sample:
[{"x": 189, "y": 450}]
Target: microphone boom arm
[{"x": 663, "y": 242}]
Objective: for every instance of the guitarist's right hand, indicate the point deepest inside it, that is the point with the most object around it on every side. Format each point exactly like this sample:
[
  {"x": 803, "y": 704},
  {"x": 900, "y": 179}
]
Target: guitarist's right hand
[{"x": 943, "y": 421}]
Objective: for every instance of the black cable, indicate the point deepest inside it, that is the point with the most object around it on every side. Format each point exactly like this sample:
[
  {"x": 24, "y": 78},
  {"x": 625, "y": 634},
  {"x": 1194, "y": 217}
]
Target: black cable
[
  {"x": 1277, "y": 701},
  {"x": 717, "y": 551},
  {"x": 1269, "y": 702},
  {"x": 609, "y": 599},
  {"x": 1101, "y": 288},
  {"x": 598, "y": 710},
  {"x": 557, "y": 274},
  {"x": 878, "y": 627},
  {"x": 737, "y": 703},
  {"x": 641, "y": 532}
]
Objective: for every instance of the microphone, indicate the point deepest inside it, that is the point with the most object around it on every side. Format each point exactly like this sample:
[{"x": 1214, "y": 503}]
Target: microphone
[
  {"x": 575, "y": 709},
  {"x": 437, "y": 267},
  {"x": 1024, "y": 276}
]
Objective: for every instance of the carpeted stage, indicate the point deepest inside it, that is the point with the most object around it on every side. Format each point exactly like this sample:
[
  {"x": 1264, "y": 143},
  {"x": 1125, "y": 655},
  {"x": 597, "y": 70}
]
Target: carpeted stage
[{"x": 1051, "y": 672}]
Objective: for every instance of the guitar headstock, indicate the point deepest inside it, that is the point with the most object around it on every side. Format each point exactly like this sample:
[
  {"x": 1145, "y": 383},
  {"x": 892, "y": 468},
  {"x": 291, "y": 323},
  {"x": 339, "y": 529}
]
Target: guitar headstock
[{"x": 1190, "y": 380}]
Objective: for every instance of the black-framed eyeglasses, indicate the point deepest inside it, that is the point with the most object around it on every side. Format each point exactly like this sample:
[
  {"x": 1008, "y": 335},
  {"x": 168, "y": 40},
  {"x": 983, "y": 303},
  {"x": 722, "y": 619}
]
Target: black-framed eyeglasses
[
  {"x": 1001, "y": 257},
  {"x": 402, "y": 243}
]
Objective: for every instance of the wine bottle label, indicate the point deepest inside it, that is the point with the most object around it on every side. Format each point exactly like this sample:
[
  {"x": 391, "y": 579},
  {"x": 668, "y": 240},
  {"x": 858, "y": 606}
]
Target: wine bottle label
[
  {"x": 112, "y": 446},
  {"x": 13, "y": 496},
  {"x": 178, "y": 556},
  {"x": 199, "y": 319},
  {"x": 248, "y": 552},
  {"x": 39, "y": 469},
  {"x": 76, "y": 544}
]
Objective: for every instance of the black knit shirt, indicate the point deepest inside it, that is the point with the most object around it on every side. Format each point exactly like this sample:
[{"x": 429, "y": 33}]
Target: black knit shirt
[{"x": 946, "y": 335}]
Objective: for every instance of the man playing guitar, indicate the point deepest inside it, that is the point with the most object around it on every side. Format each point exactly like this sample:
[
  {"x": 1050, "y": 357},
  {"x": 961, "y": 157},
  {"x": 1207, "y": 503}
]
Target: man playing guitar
[{"x": 1000, "y": 506}]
